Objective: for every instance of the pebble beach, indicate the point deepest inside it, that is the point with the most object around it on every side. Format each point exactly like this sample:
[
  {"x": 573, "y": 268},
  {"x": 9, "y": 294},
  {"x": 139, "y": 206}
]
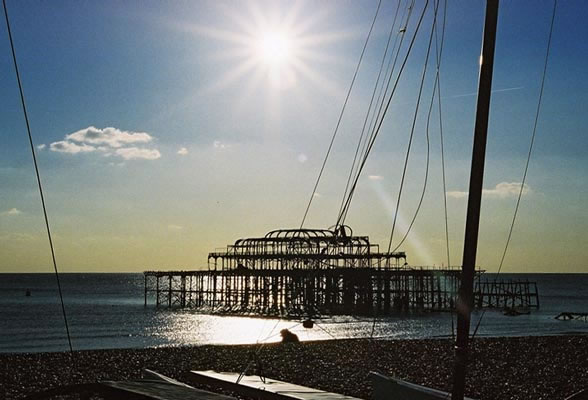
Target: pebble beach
[{"x": 541, "y": 367}]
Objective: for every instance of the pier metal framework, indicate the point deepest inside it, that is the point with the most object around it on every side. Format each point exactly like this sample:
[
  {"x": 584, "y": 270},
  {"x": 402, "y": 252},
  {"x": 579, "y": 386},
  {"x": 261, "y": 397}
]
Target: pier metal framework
[
  {"x": 291, "y": 249},
  {"x": 312, "y": 272}
]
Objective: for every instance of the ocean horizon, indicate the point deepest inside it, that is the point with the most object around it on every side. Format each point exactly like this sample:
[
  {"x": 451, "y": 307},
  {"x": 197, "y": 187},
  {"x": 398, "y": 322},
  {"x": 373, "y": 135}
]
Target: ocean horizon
[{"x": 106, "y": 310}]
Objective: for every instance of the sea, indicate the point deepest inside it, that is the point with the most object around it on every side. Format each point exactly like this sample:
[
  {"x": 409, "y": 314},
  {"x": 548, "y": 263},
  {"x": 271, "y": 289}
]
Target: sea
[{"x": 107, "y": 311}]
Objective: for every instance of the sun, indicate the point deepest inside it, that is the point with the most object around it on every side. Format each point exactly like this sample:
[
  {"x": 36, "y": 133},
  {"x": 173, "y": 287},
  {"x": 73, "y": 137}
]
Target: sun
[{"x": 274, "y": 49}]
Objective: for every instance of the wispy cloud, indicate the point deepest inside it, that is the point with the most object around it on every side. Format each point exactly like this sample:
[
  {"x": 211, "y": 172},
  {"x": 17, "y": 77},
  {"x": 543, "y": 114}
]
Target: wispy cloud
[
  {"x": 501, "y": 190},
  {"x": 109, "y": 141},
  {"x": 175, "y": 228},
  {"x": 506, "y": 189},
  {"x": 217, "y": 144},
  {"x": 41, "y": 146},
  {"x": 12, "y": 211},
  {"x": 457, "y": 194},
  {"x": 302, "y": 158},
  {"x": 375, "y": 177},
  {"x": 183, "y": 151}
]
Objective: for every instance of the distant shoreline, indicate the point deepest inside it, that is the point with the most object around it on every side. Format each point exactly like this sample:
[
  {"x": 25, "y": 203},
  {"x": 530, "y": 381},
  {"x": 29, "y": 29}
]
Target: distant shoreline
[{"x": 502, "y": 367}]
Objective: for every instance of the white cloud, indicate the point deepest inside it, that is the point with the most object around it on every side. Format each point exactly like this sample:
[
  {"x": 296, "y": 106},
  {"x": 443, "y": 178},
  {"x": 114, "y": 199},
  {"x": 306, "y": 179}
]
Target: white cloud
[
  {"x": 64, "y": 146},
  {"x": 183, "y": 151},
  {"x": 506, "y": 189},
  {"x": 502, "y": 190},
  {"x": 317, "y": 194},
  {"x": 109, "y": 141},
  {"x": 375, "y": 177},
  {"x": 175, "y": 228},
  {"x": 111, "y": 137},
  {"x": 41, "y": 146},
  {"x": 12, "y": 211},
  {"x": 134, "y": 153},
  {"x": 302, "y": 158}
]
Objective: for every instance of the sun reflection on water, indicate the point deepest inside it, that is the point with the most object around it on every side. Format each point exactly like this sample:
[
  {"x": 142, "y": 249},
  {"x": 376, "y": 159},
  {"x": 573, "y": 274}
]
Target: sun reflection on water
[
  {"x": 185, "y": 328},
  {"x": 188, "y": 328}
]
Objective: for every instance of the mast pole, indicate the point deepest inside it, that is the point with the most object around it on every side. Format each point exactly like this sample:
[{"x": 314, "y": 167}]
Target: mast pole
[{"x": 465, "y": 300}]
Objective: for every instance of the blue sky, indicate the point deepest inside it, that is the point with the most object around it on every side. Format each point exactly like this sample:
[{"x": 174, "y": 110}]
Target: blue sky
[{"x": 213, "y": 141}]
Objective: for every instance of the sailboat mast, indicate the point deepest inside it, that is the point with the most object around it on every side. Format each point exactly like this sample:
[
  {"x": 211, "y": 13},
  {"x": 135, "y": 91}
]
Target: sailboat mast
[{"x": 465, "y": 301}]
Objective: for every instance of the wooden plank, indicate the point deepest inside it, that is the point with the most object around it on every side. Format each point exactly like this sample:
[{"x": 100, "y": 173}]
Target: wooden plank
[
  {"x": 159, "y": 387},
  {"x": 271, "y": 389}
]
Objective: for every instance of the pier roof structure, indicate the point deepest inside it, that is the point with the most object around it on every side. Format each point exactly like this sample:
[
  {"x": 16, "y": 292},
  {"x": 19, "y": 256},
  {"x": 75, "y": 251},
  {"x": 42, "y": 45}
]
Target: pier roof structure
[{"x": 304, "y": 248}]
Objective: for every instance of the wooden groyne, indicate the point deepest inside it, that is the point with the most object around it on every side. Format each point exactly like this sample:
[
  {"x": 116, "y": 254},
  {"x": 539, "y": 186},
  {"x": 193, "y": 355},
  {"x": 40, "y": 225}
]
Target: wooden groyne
[
  {"x": 566, "y": 316},
  {"x": 304, "y": 272},
  {"x": 506, "y": 294}
]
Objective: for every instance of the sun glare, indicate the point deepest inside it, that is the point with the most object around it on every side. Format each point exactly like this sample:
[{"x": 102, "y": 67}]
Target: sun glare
[
  {"x": 274, "y": 49},
  {"x": 277, "y": 47}
]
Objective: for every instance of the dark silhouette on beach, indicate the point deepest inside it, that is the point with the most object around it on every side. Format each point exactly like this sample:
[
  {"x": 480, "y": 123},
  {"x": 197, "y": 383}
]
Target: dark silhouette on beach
[{"x": 288, "y": 337}]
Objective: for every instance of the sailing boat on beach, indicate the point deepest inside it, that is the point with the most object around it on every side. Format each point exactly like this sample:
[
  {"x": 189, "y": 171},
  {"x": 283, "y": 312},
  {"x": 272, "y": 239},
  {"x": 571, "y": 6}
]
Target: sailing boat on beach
[{"x": 387, "y": 388}]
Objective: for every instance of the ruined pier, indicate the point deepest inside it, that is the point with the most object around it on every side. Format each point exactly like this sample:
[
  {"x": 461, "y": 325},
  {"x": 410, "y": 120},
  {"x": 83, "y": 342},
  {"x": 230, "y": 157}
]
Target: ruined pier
[{"x": 309, "y": 272}]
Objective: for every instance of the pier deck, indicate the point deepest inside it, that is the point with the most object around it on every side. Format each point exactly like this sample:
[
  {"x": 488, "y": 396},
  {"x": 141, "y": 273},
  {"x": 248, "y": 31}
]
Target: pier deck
[{"x": 341, "y": 291}]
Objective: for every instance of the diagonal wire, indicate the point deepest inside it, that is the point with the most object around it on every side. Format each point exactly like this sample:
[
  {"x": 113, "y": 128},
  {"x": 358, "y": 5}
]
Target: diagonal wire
[
  {"x": 381, "y": 121},
  {"x": 404, "y": 169},
  {"x": 436, "y": 90},
  {"x": 340, "y": 115},
  {"x": 369, "y": 110},
  {"x": 439, "y": 54},
  {"x": 382, "y": 95},
  {"x": 434, "y": 29},
  {"x": 24, "y": 109}
]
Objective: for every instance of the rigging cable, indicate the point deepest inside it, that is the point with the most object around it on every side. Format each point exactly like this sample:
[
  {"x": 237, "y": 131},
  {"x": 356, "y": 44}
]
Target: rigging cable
[
  {"x": 404, "y": 169},
  {"x": 439, "y": 54},
  {"x": 433, "y": 29},
  {"x": 24, "y": 109},
  {"x": 539, "y": 101},
  {"x": 381, "y": 121},
  {"x": 383, "y": 92},
  {"x": 341, "y": 115},
  {"x": 436, "y": 86},
  {"x": 389, "y": 73},
  {"x": 363, "y": 128}
]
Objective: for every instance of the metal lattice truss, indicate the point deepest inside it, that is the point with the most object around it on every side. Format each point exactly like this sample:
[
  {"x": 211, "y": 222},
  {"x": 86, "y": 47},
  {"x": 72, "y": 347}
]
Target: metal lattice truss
[{"x": 290, "y": 249}]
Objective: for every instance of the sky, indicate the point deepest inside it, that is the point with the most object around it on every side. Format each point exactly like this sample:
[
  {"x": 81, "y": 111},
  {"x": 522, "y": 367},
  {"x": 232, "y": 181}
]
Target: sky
[{"x": 166, "y": 130}]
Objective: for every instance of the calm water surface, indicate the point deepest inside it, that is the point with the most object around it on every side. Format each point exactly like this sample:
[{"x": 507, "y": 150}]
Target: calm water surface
[{"x": 106, "y": 311}]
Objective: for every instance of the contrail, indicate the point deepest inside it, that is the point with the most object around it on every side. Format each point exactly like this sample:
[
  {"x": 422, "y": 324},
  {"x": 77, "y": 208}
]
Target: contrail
[{"x": 475, "y": 93}]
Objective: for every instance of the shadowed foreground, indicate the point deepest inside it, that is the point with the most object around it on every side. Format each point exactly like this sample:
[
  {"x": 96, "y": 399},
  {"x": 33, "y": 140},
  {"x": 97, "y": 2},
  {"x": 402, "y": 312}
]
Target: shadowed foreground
[{"x": 502, "y": 368}]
